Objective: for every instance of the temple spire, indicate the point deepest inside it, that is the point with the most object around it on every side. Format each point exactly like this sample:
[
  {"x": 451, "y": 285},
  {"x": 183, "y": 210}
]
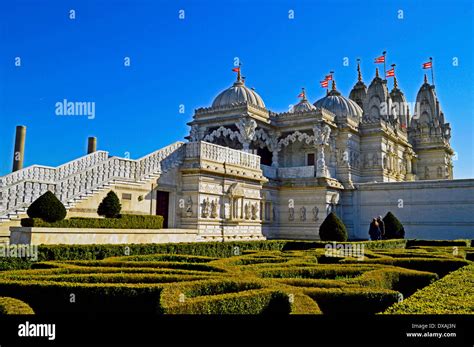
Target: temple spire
[
  {"x": 377, "y": 72},
  {"x": 333, "y": 85},
  {"x": 395, "y": 82},
  {"x": 359, "y": 74},
  {"x": 426, "y": 79}
]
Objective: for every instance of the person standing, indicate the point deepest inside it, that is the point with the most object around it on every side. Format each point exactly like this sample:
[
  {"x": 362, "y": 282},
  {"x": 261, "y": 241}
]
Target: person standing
[
  {"x": 374, "y": 230},
  {"x": 381, "y": 227}
]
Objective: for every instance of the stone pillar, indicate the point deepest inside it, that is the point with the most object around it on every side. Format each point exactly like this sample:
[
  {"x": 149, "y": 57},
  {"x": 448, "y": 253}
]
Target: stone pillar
[
  {"x": 409, "y": 168},
  {"x": 19, "y": 152},
  {"x": 275, "y": 158},
  {"x": 91, "y": 145},
  {"x": 321, "y": 167}
]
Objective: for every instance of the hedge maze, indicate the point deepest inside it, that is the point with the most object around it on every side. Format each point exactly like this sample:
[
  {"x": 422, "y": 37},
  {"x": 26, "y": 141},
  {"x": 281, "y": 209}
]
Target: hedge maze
[{"x": 289, "y": 278}]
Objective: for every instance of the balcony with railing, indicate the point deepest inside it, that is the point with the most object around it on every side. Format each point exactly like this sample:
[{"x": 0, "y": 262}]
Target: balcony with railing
[{"x": 220, "y": 154}]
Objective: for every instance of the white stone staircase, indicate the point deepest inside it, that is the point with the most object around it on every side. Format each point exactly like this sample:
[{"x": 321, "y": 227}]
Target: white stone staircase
[{"x": 80, "y": 179}]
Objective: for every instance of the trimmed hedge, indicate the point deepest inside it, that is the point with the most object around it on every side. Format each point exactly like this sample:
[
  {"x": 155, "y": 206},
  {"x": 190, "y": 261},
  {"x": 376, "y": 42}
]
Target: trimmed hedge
[
  {"x": 405, "y": 281},
  {"x": 261, "y": 301},
  {"x": 50, "y": 297},
  {"x": 382, "y": 244},
  {"x": 125, "y": 221},
  {"x": 333, "y": 229},
  {"x": 254, "y": 277},
  {"x": 48, "y": 208},
  {"x": 439, "y": 243},
  {"x": 439, "y": 266},
  {"x": 14, "y": 306},
  {"x": 453, "y": 294},
  {"x": 393, "y": 228},
  {"x": 353, "y": 300},
  {"x": 110, "y": 206}
]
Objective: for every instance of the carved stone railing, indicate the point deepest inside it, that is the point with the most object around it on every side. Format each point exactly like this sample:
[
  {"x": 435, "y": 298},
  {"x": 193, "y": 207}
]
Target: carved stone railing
[
  {"x": 220, "y": 154},
  {"x": 81, "y": 176}
]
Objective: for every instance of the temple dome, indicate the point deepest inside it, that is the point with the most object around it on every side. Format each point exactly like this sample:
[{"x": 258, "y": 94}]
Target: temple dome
[
  {"x": 341, "y": 106},
  {"x": 304, "y": 105},
  {"x": 238, "y": 93}
]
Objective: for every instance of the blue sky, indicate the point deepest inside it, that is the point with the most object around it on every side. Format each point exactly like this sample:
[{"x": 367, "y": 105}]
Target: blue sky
[{"x": 188, "y": 62}]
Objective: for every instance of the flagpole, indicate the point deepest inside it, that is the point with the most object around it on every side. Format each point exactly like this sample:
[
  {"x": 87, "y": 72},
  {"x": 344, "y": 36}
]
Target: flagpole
[
  {"x": 432, "y": 72},
  {"x": 384, "y": 67}
]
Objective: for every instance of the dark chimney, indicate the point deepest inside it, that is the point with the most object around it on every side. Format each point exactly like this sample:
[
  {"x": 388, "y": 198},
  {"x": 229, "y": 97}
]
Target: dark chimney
[
  {"x": 19, "y": 153},
  {"x": 91, "y": 145}
]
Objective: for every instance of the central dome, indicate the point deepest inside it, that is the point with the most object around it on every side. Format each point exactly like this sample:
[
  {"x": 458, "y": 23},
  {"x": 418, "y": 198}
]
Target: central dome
[
  {"x": 238, "y": 94},
  {"x": 341, "y": 106}
]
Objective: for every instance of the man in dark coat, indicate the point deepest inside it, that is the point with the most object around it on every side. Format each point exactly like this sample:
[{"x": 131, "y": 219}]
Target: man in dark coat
[
  {"x": 381, "y": 227},
  {"x": 374, "y": 230}
]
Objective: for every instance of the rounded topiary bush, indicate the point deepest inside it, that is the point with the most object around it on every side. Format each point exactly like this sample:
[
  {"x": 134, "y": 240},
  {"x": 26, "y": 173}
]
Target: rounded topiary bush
[
  {"x": 333, "y": 229},
  {"x": 393, "y": 228},
  {"x": 110, "y": 206},
  {"x": 48, "y": 208}
]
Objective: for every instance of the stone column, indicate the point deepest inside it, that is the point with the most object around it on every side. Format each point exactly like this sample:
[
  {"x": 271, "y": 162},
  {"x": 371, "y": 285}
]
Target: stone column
[
  {"x": 91, "y": 145},
  {"x": 19, "y": 152},
  {"x": 321, "y": 140},
  {"x": 275, "y": 158},
  {"x": 321, "y": 167}
]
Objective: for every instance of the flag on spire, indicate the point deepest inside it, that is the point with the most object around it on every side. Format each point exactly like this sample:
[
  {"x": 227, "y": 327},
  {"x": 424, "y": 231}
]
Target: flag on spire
[
  {"x": 390, "y": 73},
  {"x": 427, "y": 65},
  {"x": 324, "y": 84},
  {"x": 328, "y": 77},
  {"x": 301, "y": 95},
  {"x": 380, "y": 59}
]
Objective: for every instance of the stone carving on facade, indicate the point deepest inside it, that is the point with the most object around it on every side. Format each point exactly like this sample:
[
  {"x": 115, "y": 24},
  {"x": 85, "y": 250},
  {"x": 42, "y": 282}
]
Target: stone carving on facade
[
  {"x": 205, "y": 206},
  {"x": 254, "y": 211},
  {"x": 247, "y": 127},
  {"x": 296, "y": 136},
  {"x": 194, "y": 134},
  {"x": 321, "y": 140},
  {"x": 214, "y": 206},
  {"x": 303, "y": 213},
  {"x": 189, "y": 207},
  {"x": 315, "y": 213},
  {"x": 291, "y": 214},
  {"x": 247, "y": 211},
  {"x": 222, "y": 132}
]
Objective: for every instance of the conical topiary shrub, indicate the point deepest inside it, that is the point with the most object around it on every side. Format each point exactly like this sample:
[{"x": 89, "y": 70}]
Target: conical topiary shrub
[
  {"x": 110, "y": 206},
  {"x": 48, "y": 208},
  {"x": 333, "y": 229},
  {"x": 393, "y": 228}
]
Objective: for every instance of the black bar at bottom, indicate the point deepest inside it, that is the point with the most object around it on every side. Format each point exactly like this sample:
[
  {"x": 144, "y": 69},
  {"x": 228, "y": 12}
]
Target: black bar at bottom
[{"x": 139, "y": 329}]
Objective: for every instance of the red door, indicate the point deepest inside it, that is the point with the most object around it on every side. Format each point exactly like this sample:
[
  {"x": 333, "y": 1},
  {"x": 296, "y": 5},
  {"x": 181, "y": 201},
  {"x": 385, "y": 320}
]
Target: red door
[{"x": 162, "y": 202}]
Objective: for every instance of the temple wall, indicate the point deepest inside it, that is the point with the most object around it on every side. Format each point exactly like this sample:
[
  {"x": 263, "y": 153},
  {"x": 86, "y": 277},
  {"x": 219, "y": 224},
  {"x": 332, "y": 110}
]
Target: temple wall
[{"x": 438, "y": 209}]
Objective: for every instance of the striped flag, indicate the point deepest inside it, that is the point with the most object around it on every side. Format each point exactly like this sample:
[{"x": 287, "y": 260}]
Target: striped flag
[
  {"x": 390, "y": 73},
  {"x": 427, "y": 65},
  {"x": 236, "y": 69},
  {"x": 324, "y": 84},
  {"x": 328, "y": 78},
  {"x": 380, "y": 59},
  {"x": 301, "y": 95}
]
